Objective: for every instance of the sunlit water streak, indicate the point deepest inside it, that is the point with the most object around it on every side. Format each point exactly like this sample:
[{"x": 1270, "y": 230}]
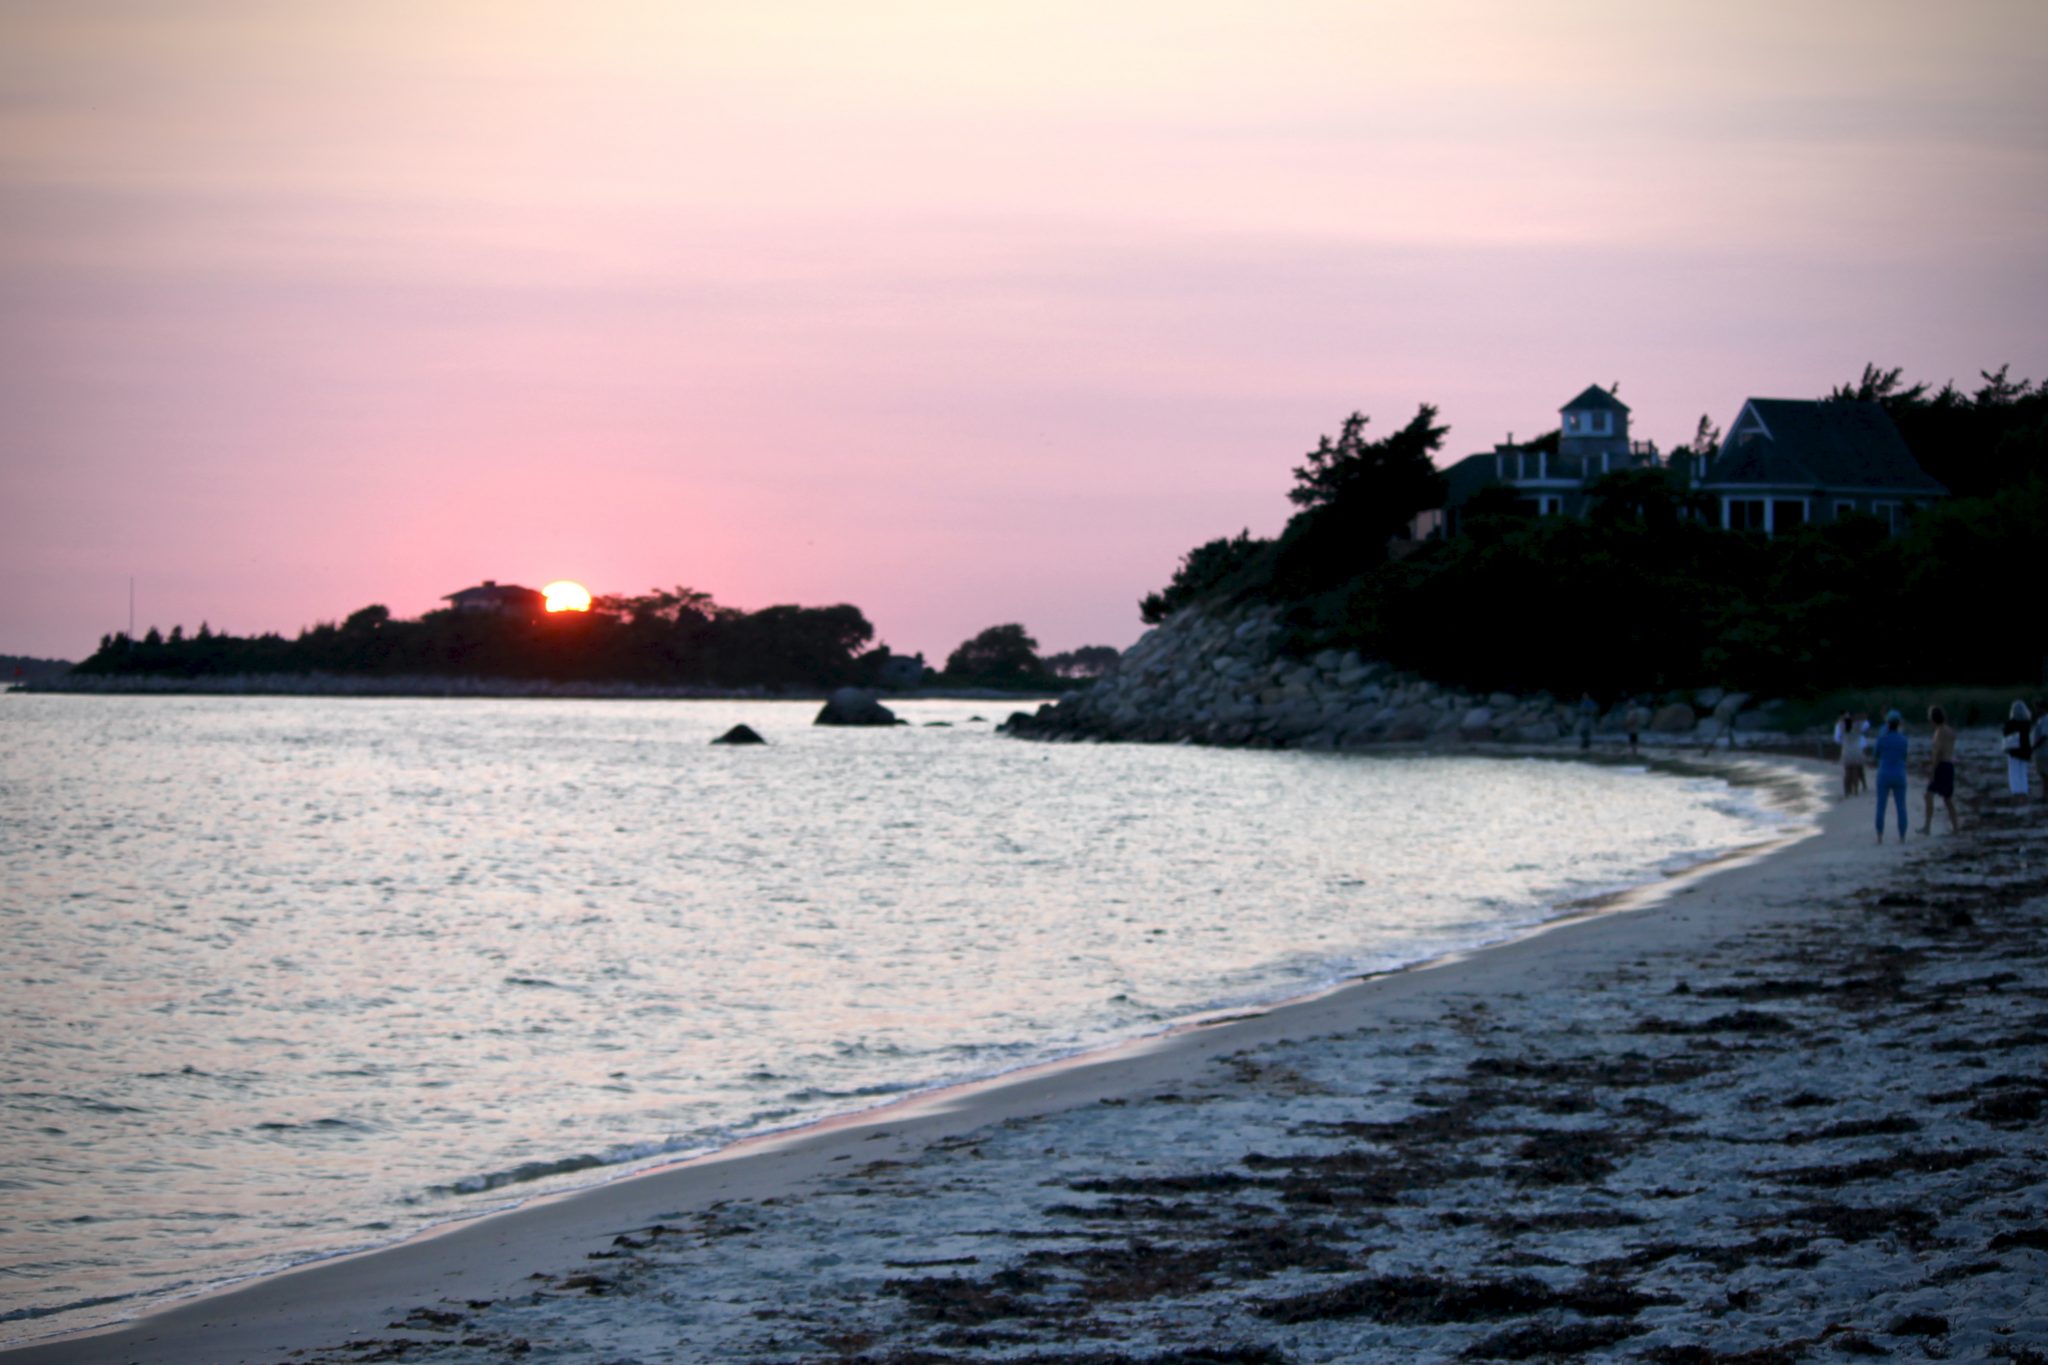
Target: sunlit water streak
[{"x": 288, "y": 976}]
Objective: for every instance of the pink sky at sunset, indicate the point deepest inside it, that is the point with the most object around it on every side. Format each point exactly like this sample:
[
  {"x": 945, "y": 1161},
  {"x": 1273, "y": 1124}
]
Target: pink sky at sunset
[{"x": 963, "y": 313}]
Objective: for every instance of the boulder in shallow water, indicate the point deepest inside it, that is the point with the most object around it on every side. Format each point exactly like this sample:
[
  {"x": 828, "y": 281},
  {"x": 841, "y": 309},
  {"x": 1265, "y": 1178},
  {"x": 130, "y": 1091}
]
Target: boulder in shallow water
[
  {"x": 854, "y": 706},
  {"x": 1675, "y": 719},
  {"x": 740, "y": 734}
]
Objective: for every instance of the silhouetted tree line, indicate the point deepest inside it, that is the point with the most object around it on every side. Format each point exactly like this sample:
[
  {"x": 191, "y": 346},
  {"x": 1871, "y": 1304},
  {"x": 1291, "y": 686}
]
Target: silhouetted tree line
[
  {"x": 1648, "y": 593},
  {"x": 28, "y": 668},
  {"x": 676, "y": 636}
]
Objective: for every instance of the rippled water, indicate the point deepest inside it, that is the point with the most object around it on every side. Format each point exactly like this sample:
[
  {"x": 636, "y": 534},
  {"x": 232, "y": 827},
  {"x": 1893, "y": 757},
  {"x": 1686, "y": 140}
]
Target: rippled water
[{"x": 292, "y": 976}]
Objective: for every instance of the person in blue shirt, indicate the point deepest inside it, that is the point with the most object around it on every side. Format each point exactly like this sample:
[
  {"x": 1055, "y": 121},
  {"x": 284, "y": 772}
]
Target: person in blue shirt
[{"x": 1891, "y": 771}]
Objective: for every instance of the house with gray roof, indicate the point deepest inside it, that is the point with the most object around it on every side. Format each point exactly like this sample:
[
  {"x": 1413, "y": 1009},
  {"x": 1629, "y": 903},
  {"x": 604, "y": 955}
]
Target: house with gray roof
[
  {"x": 502, "y": 599},
  {"x": 1787, "y": 462},
  {"x": 1548, "y": 479}
]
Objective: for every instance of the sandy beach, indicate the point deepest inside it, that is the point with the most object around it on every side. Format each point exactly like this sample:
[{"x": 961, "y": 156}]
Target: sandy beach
[{"x": 1790, "y": 1110}]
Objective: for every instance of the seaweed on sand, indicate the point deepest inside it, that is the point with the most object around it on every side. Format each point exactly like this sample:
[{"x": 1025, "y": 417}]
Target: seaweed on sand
[
  {"x": 1417, "y": 1299},
  {"x": 1548, "y": 1341},
  {"x": 1356, "y": 1177},
  {"x": 960, "y": 1300}
]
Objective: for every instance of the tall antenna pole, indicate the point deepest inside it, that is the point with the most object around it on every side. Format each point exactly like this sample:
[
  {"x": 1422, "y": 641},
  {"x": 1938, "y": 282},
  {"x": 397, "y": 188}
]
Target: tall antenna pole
[{"x": 131, "y": 608}]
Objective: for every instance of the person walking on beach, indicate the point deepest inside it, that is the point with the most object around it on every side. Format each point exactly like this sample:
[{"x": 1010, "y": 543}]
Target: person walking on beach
[
  {"x": 1724, "y": 719},
  {"x": 1850, "y": 740},
  {"x": 2019, "y": 748},
  {"x": 1941, "y": 780},
  {"x": 1589, "y": 711},
  {"x": 2041, "y": 743},
  {"x": 1638, "y": 717},
  {"x": 1891, "y": 771}
]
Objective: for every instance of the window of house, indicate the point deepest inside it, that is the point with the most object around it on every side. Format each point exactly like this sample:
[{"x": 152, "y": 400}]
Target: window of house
[
  {"x": 1603, "y": 423},
  {"x": 1787, "y": 514},
  {"x": 1844, "y": 508},
  {"x": 1743, "y": 514},
  {"x": 1891, "y": 514}
]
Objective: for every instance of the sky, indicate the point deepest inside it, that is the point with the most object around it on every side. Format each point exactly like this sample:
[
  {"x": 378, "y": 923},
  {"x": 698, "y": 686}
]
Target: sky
[{"x": 962, "y": 313}]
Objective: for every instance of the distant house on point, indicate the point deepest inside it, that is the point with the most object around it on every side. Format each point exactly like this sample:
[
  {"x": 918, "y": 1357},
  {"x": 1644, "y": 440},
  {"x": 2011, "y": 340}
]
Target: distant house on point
[
  {"x": 505, "y": 599},
  {"x": 1786, "y": 462}
]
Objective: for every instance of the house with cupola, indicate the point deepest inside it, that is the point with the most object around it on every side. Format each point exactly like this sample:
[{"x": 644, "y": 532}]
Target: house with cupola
[
  {"x": 1548, "y": 477},
  {"x": 1785, "y": 463}
]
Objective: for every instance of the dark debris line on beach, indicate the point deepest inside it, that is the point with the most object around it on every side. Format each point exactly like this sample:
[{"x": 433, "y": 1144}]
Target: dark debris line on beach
[{"x": 1822, "y": 1138}]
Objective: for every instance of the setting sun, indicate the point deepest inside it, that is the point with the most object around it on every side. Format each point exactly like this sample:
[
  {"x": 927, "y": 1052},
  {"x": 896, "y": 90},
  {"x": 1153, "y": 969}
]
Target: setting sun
[{"x": 564, "y": 595}]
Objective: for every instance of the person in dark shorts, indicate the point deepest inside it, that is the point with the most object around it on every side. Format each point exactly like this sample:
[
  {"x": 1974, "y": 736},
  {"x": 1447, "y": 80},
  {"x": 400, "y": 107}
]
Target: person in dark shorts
[
  {"x": 1941, "y": 781},
  {"x": 1891, "y": 750}
]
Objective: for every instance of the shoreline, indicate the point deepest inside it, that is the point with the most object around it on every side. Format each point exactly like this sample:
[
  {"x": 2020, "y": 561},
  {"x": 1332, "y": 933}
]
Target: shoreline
[
  {"x": 462, "y": 687},
  {"x": 342, "y": 1297}
]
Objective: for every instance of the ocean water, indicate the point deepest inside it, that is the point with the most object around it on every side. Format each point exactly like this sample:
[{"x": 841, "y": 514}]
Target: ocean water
[{"x": 291, "y": 977}]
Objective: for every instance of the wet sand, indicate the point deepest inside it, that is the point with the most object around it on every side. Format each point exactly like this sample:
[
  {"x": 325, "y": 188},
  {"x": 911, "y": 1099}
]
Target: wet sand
[{"x": 1789, "y": 1110}]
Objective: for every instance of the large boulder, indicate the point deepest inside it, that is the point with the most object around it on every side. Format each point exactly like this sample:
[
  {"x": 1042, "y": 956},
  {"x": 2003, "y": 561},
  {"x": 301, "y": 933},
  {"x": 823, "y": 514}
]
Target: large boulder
[
  {"x": 1412, "y": 722},
  {"x": 854, "y": 706},
  {"x": 1675, "y": 719},
  {"x": 740, "y": 734}
]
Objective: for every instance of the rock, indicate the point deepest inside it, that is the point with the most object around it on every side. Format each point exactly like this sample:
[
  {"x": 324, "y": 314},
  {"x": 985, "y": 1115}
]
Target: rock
[
  {"x": 739, "y": 734},
  {"x": 1413, "y": 722},
  {"x": 1675, "y": 719},
  {"x": 854, "y": 706},
  {"x": 1478, "y": 718},
  {"x": 1501, "y": 701}
]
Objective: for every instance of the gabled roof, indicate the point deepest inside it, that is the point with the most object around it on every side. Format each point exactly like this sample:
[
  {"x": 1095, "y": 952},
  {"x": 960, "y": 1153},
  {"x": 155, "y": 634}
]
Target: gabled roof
[
  {"x": 1467, "y": 477},
  {"x": 500, "y": 593},
  {"x": 1828, "y": 443},
  {"x": 1595, "y": 397}
]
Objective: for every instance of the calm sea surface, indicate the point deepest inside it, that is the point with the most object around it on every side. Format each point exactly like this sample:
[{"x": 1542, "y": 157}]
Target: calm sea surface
[{"x": 287, "y": 977}]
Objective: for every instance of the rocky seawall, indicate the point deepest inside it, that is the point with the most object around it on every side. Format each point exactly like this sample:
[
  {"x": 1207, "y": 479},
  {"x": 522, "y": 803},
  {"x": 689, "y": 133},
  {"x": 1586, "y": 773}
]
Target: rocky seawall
[{"x": 1215, "y": 675}]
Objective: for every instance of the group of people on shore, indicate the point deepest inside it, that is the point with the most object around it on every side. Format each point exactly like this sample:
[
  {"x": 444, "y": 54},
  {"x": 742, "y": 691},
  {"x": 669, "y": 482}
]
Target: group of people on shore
[{"x": 2024, "y": 739}]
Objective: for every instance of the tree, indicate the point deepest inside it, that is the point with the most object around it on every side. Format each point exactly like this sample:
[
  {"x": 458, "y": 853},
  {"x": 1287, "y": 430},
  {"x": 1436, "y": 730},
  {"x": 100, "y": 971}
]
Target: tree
[
  {"x": 672, "y": 605},
  {"x": 1205, "y": 569},
  {"x": 1880, "y": 386},
  {"x": 1089, "y": 661},
  {"x": 1001, "y": 656},
  {"x": 1396, "y": 475},
  {"x": 788, "y": 644},
  {"x": 1977, "y": 444},
  {"x": 1689, "y": 460},
  {"x": 1356, "y": 495},
  {"x": 1653, "y": 496}
]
